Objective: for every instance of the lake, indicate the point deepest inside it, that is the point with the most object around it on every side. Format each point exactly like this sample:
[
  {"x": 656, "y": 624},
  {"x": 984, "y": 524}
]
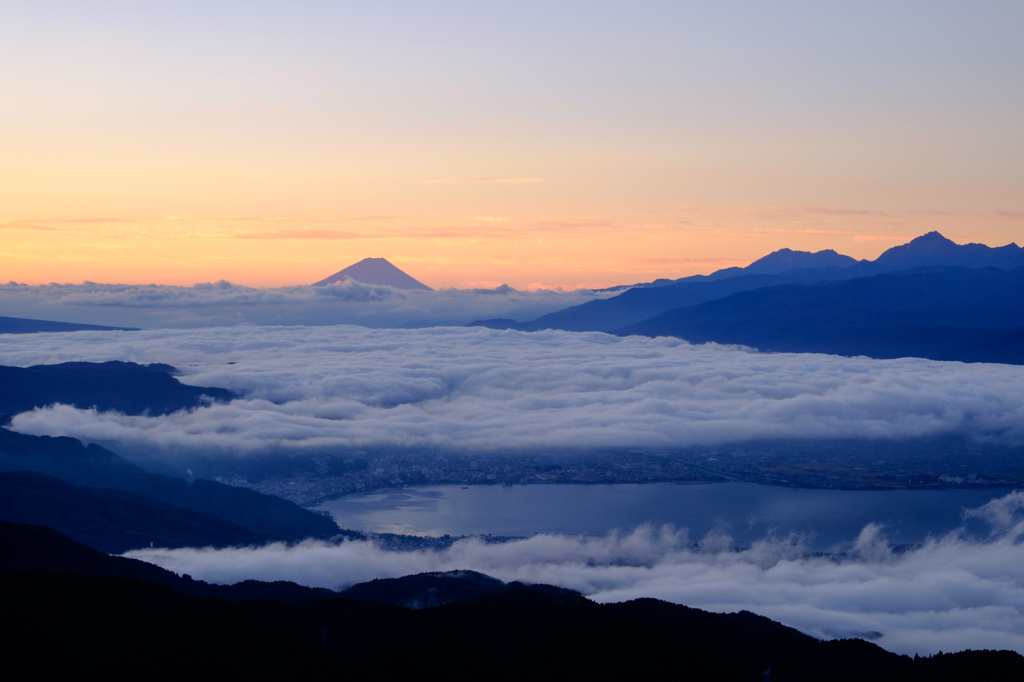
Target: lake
[{"x": 746, "y": 511}]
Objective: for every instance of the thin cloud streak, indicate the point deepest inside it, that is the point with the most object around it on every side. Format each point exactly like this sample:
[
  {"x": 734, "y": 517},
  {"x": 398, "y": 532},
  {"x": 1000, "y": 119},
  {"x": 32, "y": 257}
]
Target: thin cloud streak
[
  {"x": 302, "y": 234},
  {"x": 93, "y": 220},
  {"x": 825, "y": 210},
  {"x": 30, "y": 226},
  {"x": 457, "y": 181}
]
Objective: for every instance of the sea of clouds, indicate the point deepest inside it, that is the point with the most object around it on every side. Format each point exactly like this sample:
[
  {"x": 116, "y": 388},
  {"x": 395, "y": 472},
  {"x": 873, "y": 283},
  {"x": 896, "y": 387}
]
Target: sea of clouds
[
  {"x": 951, "y": 593},
  {"x": 476, "y": 389},
  {"x": 470, "y": 389},
  {"x": 154, "y": 306}
]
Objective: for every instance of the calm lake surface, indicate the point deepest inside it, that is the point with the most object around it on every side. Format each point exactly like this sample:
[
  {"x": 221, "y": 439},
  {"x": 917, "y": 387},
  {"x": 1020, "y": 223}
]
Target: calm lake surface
[{"x": 746, "y": 511}]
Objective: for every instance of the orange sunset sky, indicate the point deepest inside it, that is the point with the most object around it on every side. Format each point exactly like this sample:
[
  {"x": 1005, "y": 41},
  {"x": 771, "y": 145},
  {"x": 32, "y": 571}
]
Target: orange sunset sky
[{"x": 539, "y": 144}]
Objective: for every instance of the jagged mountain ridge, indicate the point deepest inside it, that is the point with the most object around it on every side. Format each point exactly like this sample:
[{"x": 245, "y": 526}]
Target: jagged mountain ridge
[
  {"x": 932, "y": 249},
  {"x": 635, "y": 310},
  {"x": 940, "y": 313}
]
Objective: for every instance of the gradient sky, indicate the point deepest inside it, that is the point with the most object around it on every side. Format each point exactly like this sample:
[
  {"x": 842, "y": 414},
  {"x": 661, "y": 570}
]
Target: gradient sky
[{"x": 534, "y": 143}]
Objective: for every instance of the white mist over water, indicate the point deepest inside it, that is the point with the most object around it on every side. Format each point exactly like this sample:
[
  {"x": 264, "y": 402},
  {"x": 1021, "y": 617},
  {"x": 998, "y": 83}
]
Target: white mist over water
[{"x": 949, "y": 594}]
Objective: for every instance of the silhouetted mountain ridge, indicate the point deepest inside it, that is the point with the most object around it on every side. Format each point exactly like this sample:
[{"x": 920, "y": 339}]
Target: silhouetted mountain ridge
[
  {"x": 932, "y": 249},
  {"x": 424, "y": 590},
  {"x": 784, "y": 266},
  {"x": 108, "y": 520},
  {"x": 784, "y": 260},
  {"x": 263, "y": 517},
  {"x": 122, "y": 386},
  {"x": 117, "y": 616},
  {"x": 183, "y": 512},
  {"x": 634, "y": 305},
  {"x": 23, "y": 325},
  {"x": 941, "y": 313},
  {"x": 929, "y": 298}
]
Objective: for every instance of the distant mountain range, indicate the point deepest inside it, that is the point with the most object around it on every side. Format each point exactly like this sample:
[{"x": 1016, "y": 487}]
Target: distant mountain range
[
  {"x": 374, "y": 271},
  {"x": 21, "y": 325},
  {"x": 929, "y": 298},
  {"x": 936, "y": 313},
  {"x": 123, "y": 386}
]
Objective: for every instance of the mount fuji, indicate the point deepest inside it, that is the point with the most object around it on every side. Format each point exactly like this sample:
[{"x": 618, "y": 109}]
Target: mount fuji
[{"x": 375, "y": 271}]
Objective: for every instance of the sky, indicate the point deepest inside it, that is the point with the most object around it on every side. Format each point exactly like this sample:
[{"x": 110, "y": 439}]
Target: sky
[{"x": 538, "y": 144}]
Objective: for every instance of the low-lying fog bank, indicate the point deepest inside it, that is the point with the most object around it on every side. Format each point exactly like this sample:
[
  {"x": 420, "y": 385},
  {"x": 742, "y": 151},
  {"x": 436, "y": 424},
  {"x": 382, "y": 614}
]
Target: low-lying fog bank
[{"x": 951, "y": 593}]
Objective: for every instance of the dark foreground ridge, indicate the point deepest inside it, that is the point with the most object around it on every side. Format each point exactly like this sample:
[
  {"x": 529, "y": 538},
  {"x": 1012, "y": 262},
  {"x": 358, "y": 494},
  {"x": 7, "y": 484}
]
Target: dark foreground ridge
[{"x": 70, "y": 610}]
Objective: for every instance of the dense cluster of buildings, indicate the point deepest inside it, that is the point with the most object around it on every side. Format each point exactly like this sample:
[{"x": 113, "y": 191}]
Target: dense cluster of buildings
[{"x": 848, "y": 465}]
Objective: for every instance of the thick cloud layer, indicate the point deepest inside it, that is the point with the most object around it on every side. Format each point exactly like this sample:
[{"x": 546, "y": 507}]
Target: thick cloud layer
[
  {"x": 950, "y": 594},
  {"x": 480, "y": 389},
  {"x": 222, "y": 304},
  {"x": 472, "y": 389}
]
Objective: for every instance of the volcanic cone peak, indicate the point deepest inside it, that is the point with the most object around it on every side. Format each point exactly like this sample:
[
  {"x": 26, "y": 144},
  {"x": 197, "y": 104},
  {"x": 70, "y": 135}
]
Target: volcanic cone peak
[{"x": 375, "y": 271}]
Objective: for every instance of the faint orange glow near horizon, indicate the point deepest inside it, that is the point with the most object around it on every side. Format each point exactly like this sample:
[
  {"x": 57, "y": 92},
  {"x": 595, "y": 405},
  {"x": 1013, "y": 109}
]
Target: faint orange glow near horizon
[
  {"x": 531, "y": 143},
  {"x": 441, "y": 251}
]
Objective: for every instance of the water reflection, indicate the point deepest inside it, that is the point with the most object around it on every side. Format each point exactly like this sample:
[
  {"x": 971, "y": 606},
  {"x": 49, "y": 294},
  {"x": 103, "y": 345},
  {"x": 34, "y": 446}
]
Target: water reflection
[{"x": 745, "y": 511}]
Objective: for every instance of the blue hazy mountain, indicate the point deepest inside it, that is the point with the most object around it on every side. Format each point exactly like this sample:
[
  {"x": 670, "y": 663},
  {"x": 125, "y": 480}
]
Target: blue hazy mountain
[
  {"x": 638, "y": 304},
  {"x": 224, "y": 512},
  {"x": 22, "y": 325},
  {"x": 122, "y": 386},
  {"x": 783, "y": 267},
  {"x": 775, "y": 263},
  {"x": 785, "y": 260},
  {"x": 941, "y": 313},
  {"x": 375, "y": 271},
  {"x": 934, "y": 249},
  {"x": 108, "y": 520},
  {"x": 264, "y": 517}
]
